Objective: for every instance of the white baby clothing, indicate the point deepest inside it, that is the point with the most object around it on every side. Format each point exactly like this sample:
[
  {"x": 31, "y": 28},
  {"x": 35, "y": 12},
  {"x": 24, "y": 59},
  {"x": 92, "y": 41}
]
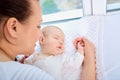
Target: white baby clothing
[{"x": 61, "y": 67}]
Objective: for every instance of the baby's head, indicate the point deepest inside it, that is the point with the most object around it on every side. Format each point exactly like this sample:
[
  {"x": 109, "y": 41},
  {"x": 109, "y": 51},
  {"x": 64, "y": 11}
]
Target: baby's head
[{"x": 52, "y": 42}]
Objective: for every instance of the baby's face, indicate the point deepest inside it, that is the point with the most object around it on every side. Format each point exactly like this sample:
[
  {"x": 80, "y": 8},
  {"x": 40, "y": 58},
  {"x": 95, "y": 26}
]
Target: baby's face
[{"x": 54, "y": 42}]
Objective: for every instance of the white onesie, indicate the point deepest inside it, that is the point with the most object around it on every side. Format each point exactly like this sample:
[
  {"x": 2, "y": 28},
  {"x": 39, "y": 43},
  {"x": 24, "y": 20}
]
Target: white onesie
[{"x": 61, "y": 67}]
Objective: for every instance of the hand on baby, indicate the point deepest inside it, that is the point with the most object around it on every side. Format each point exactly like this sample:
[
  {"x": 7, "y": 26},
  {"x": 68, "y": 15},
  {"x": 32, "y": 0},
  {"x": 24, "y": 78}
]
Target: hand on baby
[
  {"x": 85, "y": 46},
  {"x": 79, "y": 44}
]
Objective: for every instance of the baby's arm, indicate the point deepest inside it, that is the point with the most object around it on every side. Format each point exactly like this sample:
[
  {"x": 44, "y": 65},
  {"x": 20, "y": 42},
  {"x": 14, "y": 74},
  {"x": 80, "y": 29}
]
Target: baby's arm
[
  {"x": 73, "y": 64},
  {"x": 76, "y": 59},
  {"x": 80, "y": 48}
]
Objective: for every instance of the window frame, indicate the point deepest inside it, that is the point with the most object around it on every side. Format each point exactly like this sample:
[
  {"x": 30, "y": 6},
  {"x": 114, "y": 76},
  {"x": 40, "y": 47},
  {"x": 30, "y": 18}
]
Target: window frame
[
  {"x": 63, "y": 15},
  {"x": 90, "y": 7}
]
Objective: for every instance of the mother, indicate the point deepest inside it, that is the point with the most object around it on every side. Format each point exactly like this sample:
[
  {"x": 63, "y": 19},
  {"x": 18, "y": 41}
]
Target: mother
[{"x": 19, "y": 30}]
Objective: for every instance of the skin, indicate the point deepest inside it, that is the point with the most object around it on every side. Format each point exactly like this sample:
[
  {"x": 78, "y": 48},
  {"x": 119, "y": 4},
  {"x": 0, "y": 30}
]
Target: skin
[
  {"x": 52, "y": 42},
  {"x": 21, "y": 36},
  {"x": 88, "y": 67},
  {"x": 49, "y": 45}
]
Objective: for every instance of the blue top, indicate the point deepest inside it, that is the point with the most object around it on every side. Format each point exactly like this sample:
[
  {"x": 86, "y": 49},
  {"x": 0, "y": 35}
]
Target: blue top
[{"x": 16, "y": 71}]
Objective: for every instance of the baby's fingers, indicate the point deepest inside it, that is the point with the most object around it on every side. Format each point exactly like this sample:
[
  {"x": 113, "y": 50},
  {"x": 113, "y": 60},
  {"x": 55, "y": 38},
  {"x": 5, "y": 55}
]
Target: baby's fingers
[{"x": 75, "y": 42}]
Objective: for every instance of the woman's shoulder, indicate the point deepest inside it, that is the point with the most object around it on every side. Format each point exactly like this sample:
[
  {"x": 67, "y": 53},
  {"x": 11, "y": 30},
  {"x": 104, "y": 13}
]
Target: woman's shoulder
[{"x": 14, "y": 70}]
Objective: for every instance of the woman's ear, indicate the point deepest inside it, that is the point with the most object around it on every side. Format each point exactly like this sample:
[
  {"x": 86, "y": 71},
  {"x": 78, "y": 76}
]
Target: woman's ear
[{"x": 11, "y": 27}]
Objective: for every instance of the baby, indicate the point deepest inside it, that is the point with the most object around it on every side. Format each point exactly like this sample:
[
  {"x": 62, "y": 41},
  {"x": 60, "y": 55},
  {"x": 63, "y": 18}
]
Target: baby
[{"x": 52, "y": 58}]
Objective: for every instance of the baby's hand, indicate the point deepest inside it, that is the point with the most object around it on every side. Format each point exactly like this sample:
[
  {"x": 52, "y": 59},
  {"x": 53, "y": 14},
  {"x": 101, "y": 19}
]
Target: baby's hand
[
  {"x": 80, "y": 48},
  {"x": 79, "y": 44},
  {"x": 23, "y": 59}
]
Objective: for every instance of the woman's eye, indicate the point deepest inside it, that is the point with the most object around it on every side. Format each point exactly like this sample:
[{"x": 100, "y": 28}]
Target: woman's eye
[
  {"x": 55, "y": 37},
  {"x": 39, "y": 27}
]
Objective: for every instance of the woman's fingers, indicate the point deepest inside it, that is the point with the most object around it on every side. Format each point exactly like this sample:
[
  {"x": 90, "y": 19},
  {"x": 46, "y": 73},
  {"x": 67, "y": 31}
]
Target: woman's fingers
[
  {"x": 87, "y": 42},
  {"x": 76, "y": 41}
]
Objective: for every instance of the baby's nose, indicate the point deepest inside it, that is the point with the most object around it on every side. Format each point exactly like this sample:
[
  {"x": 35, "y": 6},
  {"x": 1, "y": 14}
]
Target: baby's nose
[{"x": 61, "y": 42}]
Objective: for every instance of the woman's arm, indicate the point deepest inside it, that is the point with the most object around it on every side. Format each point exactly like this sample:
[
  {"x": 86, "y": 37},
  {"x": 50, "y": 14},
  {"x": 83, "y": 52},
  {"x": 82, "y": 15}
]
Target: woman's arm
[{"x": 89, "y": 68}]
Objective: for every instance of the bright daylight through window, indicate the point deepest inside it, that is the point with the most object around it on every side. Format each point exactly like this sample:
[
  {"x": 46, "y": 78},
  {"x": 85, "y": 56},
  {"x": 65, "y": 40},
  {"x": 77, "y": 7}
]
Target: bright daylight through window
[
  {"x": 53, "y": 6},
  {"x": 61, "y": 9}
]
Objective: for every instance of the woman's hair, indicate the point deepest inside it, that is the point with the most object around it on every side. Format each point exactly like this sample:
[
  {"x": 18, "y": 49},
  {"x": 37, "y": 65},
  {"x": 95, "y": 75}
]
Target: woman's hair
[{"x": 20, "y": 9}]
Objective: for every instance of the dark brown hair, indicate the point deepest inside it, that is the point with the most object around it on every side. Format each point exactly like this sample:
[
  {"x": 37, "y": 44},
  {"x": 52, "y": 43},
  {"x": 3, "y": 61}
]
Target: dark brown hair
[{"x": 20, "y": 9}]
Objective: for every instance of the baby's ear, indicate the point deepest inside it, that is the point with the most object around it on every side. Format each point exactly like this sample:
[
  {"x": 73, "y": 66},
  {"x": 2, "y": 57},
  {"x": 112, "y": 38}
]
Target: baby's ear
[{"x": 41, "y": 40}]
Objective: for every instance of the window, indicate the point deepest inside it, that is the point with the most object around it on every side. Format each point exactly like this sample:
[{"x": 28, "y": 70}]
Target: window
[
  {"x": 113, "y": 5},
  {"x": 54, "y": 10}
]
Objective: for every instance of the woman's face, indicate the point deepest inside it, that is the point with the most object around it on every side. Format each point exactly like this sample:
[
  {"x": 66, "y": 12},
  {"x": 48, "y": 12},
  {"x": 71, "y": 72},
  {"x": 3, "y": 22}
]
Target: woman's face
[{"x": 30, "y": 31}]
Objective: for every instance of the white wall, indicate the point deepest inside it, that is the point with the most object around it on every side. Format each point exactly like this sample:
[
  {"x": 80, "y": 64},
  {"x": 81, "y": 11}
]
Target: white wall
[{"x": 111, "y": 47}]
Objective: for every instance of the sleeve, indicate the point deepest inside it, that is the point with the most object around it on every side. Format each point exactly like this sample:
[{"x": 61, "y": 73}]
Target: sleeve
[
  {"x": 2, "y": 74},
  {"x": 32, "y": 73},
  {"x": 28, "y": 60},
  {"x": 72, "y": 65},
  {"x": 31, "y": 59},
  {"x": 16, "y": 71},
  {"x": 75, "y": 59},
  {"x": 79, "y": 57}
]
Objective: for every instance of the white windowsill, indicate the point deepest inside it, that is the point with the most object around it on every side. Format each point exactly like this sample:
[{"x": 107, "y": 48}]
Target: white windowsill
[{"x": 70, "y": 14}]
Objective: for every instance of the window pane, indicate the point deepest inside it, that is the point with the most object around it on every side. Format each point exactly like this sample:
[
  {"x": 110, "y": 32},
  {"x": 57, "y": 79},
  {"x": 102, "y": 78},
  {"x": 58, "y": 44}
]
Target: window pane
[
  {"x": 53, "y": 6},
  {"x": 113, "y": 5}
]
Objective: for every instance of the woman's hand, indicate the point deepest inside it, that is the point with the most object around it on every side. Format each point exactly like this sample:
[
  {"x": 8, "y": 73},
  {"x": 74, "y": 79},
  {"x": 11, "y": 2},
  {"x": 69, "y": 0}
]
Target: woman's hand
[
  {"x": 89, "y": 67},
  {"x": 89, "y": 48}
]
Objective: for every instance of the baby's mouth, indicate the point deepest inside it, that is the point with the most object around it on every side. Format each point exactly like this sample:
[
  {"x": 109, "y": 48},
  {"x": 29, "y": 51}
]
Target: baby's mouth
[{"x": 59, "y": 47}]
